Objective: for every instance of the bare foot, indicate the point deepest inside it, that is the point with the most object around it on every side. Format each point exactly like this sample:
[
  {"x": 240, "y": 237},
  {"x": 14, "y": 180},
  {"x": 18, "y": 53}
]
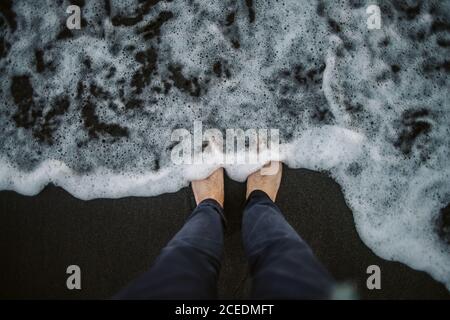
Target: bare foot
[
  {"x": 269, "y": 183},
  {"x": 210, "y": 188}
]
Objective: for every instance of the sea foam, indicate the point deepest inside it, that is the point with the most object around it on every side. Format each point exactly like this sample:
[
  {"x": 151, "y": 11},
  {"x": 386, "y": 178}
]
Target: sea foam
[{"x": 92, "y": 110}]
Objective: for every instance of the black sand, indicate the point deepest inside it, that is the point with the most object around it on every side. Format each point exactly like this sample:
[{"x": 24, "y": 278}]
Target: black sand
[{"x": 115, "y": 240}]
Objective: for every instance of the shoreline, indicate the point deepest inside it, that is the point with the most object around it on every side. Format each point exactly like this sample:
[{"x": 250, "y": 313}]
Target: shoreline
[{"x": 113, "y": 240}]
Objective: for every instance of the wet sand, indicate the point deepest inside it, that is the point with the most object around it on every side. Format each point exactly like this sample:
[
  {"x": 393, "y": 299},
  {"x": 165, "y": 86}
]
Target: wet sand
[{"x": 114, "y": 240}]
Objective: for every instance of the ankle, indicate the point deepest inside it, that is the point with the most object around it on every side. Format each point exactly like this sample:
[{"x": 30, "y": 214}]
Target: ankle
[
  {"x": 253, "y": 192},
  {"x": 267, "y": 183},
  {"x": 213, "y": 197}
]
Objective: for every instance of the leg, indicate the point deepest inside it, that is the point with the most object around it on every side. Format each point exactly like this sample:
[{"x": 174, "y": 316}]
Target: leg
[
  {"x": 188, "y": 267},
  {"x": 282, "y": 265}
]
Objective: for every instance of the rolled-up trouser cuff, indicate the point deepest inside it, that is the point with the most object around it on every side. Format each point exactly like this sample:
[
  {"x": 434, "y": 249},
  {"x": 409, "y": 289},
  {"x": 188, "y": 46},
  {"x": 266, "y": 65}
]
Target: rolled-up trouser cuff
[
  {"x": 217, "y": 207},
  {"x": 257, "y": 195}
]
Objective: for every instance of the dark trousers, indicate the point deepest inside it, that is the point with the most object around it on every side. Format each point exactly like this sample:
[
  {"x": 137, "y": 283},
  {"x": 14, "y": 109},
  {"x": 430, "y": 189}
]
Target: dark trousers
[{"x": 282, "y": 265}]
